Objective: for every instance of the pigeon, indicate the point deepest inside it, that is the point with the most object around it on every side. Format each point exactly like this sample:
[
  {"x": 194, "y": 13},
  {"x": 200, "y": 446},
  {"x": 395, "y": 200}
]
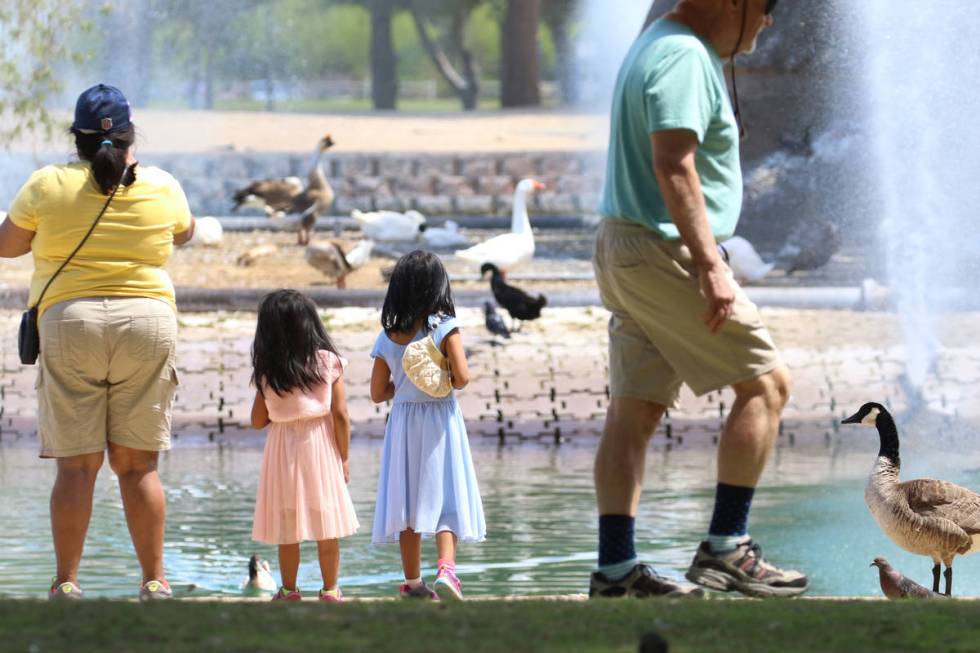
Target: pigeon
[
  {"x": 896, "y": 586},
  {"x": 493, "y": 321}
]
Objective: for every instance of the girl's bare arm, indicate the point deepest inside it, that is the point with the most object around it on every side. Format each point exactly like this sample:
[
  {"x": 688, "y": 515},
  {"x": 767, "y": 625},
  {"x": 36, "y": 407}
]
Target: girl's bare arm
[
  {"x": 459, "y": 371},
  {"x": 260, "y": 414},
  {"x": 382, "y": 387},
  {"x": 341, "y": 419}
]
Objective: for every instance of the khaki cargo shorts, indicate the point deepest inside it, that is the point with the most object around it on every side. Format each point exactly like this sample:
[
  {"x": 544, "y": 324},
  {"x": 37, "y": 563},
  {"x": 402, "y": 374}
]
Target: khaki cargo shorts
[
  {"x": 657, "y": 335},
  {"x": 107, "y": 373}
]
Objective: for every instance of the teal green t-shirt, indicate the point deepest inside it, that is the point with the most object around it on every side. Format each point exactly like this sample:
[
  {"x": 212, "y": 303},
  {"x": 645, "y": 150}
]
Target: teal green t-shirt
[{"x": 671, "y": 79}]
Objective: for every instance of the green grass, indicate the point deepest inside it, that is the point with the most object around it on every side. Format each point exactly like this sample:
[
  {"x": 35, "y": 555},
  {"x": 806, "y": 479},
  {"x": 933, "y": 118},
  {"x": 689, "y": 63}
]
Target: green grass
[{"x": 475, "y": 627}]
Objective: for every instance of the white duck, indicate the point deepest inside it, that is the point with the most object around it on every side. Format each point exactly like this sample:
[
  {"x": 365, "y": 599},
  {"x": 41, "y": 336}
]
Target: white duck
[
  {"x": 207, "y": 232},
  {"x": 745, "y": 262},
  {"x": 508, "y": 250},
  {"x": 445, "y": 236},
  {"x": 388, "y": 226}
]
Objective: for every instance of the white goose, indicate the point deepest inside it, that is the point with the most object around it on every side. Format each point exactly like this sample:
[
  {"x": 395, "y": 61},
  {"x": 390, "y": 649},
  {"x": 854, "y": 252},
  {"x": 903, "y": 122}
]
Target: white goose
[
  {"x": 389, "y": 226},
  {"x": 512, "y": 249}
]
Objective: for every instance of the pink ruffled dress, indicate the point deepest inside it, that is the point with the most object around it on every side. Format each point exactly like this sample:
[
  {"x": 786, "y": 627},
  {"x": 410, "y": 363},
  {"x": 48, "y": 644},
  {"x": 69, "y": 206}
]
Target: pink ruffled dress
[{"x": 302, "y": 495}]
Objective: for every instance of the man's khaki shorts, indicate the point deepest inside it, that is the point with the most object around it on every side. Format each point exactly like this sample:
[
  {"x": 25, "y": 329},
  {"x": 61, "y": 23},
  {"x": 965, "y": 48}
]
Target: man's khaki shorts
[
  {"x": 107, "y": 374},
  {"x": 657, "y": 335}
]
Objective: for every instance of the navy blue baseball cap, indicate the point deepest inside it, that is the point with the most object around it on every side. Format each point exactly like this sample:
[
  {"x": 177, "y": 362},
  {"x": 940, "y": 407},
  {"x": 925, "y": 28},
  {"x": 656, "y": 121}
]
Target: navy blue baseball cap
[{"x": 102, "y": 109}]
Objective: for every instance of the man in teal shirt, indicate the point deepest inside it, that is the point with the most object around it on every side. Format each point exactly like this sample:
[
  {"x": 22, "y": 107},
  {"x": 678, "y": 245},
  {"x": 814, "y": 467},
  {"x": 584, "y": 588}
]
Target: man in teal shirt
[{"x": 673, "y": 189}]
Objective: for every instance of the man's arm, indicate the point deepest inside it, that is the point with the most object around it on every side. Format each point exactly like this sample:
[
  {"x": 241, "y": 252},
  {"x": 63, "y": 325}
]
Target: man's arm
[{"x": 673, "y": 165}]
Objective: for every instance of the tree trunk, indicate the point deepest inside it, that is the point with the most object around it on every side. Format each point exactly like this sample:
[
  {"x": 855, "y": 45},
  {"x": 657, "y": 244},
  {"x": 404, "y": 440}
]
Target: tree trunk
[
  {"x": 384, "y": 63},
  {"x": 465, "y": 85},
  {"x": 519, "y": 68},
  {"x": 208, "y": 78},
  {"x": 567, "y": 79}
]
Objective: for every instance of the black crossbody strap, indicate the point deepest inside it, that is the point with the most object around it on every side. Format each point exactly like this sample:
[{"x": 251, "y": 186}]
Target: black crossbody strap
[{"x": 90, "y": 230}]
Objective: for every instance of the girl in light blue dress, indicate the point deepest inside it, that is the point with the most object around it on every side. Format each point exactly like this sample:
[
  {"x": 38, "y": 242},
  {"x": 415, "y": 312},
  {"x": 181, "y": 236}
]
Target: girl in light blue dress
[{"x": 427, "y": 485}]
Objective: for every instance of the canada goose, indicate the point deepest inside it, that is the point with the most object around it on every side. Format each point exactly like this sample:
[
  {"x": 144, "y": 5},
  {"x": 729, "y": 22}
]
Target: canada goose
[
  {"x": 492, "y": 320},
  {"x": 332, "y": 261},
  {"x": 443, "y": 237},
  {"x": 259, "y": 576},
  {"x": 894, "y": 585},
  {"x": 281, "y": 197},
  {"x": 518, "y": 303},
  {"x": 746, "y": 264},
  {"x": 924, "y": 516},
  {"x": 514, "y": 248},
  {"x": 390, "y": 226}
]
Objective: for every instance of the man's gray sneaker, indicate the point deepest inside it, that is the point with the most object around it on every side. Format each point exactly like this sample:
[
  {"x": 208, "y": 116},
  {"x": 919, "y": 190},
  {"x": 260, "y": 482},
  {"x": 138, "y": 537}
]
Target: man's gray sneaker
[
  {"x": 641, "y": 582},
  {"x": 155, "y": 590},
  {"x": 744, "y": 570},
  {"x": 67, "y": 591}
]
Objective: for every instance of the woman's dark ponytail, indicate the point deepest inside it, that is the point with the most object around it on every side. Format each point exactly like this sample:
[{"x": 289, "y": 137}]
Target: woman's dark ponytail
[{"x": 108, "y": 159}]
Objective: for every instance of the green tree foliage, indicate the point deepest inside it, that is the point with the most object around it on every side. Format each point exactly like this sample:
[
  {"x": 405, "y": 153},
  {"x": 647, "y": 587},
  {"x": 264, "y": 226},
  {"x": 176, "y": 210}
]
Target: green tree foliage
[{"x": 35, "y": 36}]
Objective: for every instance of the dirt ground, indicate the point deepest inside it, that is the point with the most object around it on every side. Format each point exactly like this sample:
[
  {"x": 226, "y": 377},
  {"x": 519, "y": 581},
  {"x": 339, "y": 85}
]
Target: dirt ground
[
  {"x": 217, "y": 267},
  {"x": 498, "y": 131}
]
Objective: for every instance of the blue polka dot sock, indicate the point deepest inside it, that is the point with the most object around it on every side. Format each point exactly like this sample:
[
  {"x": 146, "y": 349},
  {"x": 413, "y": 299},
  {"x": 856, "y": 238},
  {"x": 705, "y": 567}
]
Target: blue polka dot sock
[
  {"x": 617, "y": 554},
  {"x": 730, "y": 521}
]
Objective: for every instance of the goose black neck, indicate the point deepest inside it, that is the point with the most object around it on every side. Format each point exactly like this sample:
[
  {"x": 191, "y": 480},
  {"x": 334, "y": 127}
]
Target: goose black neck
[{"x": 889, "y": 437}]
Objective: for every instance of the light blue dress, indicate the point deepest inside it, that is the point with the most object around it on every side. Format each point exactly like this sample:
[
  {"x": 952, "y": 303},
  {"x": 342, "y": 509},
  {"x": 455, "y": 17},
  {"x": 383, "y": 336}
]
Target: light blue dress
[{"x": 427, "y": 481}]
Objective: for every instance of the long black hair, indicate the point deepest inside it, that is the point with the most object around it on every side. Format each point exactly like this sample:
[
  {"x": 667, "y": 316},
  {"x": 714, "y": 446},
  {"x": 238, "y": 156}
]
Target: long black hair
[
  {"x": 108, "y": 159},
  {"x": 419, "y": 287},
  {"x": 287, "y": 337}
]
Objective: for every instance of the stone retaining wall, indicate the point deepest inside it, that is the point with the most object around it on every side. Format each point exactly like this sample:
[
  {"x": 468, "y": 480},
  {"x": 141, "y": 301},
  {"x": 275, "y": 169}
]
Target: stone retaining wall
[{"x": 435, "y": 184}]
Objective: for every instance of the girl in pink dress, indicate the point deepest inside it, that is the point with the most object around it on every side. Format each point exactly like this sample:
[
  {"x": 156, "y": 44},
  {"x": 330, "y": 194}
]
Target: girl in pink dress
[{"x": 300, "y": 394}]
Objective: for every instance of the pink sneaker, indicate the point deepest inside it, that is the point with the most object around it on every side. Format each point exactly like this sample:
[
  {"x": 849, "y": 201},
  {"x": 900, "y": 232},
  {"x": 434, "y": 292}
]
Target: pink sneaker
[
  {"x": 287, "y": 595},
  {"x": 331, "y": 597},
  {"x": 447, "y": 585},
  {"x": 67, "y": 591}
]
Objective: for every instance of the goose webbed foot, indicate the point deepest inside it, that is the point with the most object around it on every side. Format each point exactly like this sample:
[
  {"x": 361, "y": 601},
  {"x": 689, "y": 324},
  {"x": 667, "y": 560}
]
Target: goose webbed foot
[
  {"x": 935, "y": 578},
  {"x": 948, "y": 574}
]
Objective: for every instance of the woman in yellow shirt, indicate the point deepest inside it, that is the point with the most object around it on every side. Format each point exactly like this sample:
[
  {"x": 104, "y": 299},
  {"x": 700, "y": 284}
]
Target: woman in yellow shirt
[{"x": 108, "y": 327}]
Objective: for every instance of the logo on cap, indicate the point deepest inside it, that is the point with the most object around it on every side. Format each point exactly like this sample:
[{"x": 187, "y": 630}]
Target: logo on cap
[{"x": 106, "y": 124}]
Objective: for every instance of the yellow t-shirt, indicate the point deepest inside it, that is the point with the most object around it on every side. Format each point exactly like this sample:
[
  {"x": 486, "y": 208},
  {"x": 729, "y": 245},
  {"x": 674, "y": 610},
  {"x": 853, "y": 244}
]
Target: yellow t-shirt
[{"x": 124, "y": 256}]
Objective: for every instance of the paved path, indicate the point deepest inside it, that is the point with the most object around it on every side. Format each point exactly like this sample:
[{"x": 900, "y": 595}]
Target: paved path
[{"x": 549, "y": 385}]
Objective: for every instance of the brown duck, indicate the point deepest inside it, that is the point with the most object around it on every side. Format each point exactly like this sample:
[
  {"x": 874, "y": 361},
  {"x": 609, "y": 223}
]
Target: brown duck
[{"x": 924, "y": 516}]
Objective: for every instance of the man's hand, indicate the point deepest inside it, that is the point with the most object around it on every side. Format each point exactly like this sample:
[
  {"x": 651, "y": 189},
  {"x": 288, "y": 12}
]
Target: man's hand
[{"x": 719, "y": 295}]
